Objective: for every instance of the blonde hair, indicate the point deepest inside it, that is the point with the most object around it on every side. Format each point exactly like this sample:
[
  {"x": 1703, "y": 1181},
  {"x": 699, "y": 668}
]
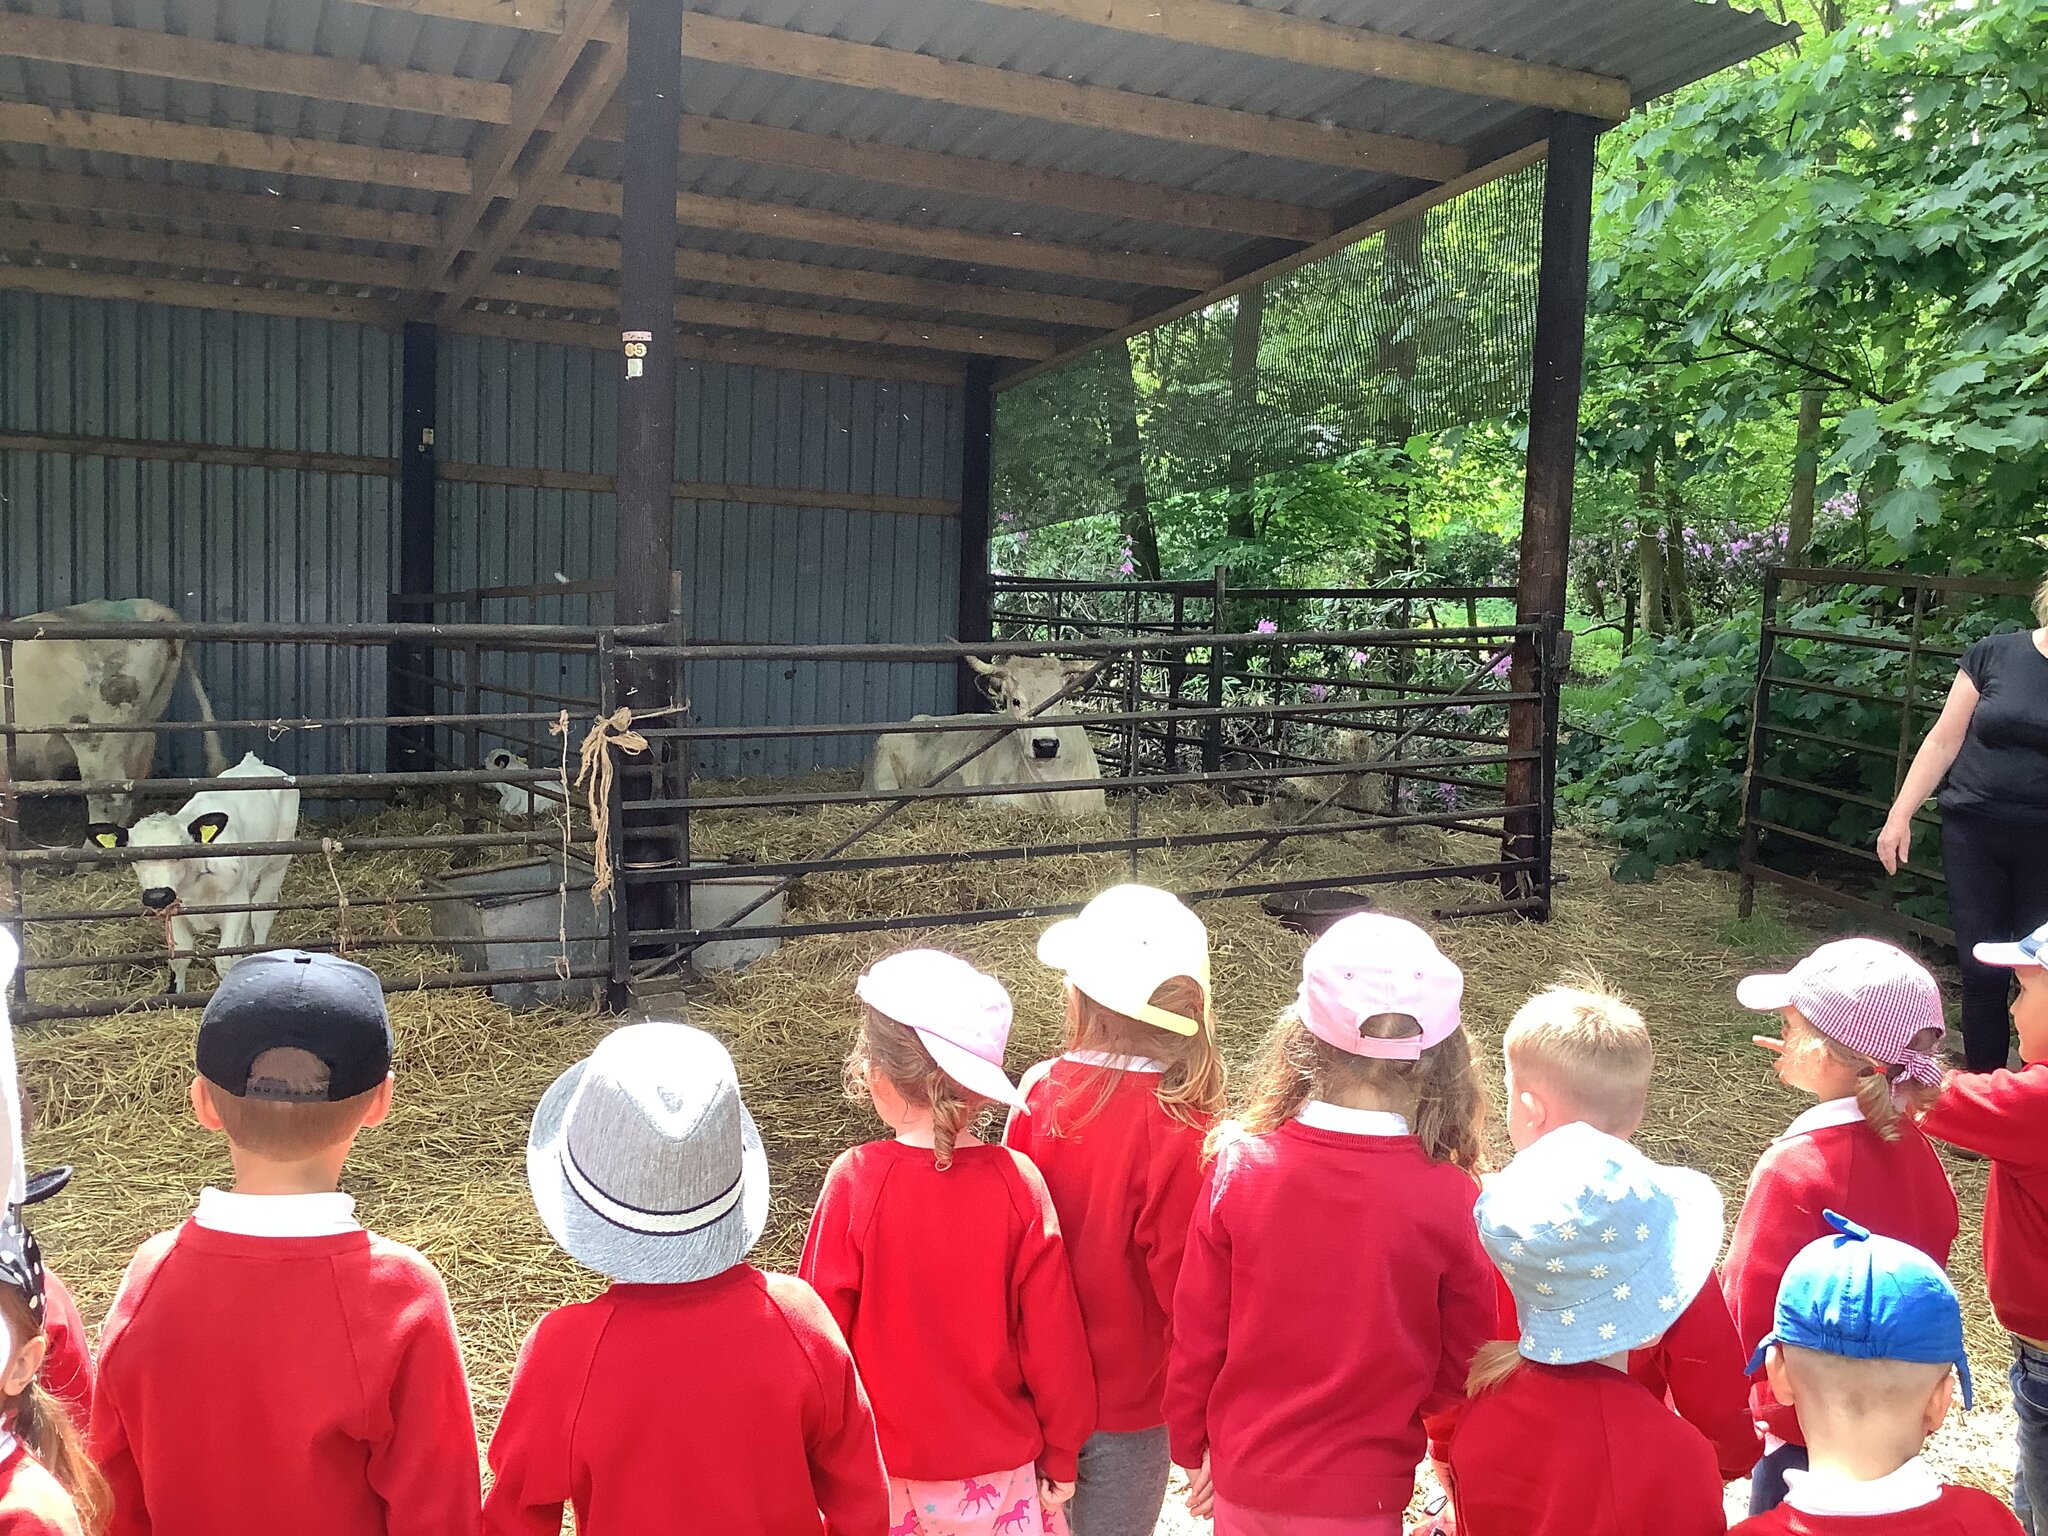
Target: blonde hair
[
  {"x": 288, "y": 1129},
  {"x": 1449, "y": 1110},
  {"x": 1497, "y": 1360},
  {"x": 893, "y": 1050},
  {"x": 1884, "y": 1093},
  {"x": 1190, "y": 1090},
  {"x": 2041, "y": 601},
  {"x": 43, "y": 1424},
  {"x": 1589, "y": 1047}
]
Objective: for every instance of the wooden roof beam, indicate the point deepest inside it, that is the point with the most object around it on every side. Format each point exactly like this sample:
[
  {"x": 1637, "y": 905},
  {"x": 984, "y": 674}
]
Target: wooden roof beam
[
  {"x": 233, "y": 256},
  {"x": 153, "y": 138},
  {"x": 1235, "y": 28},
  {"x": 779, "y": 50},
  {"x": 250, "y": 213},
  {"x": 69, "y": 283},
  {"x": 134, "y": 50}
]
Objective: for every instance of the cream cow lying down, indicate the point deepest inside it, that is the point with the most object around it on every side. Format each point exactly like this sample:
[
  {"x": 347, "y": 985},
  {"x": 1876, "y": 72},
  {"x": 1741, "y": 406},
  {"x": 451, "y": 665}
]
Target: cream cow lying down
[
  {"x": 214, "y": 818},
  {"x": 1035, "y": 750}
]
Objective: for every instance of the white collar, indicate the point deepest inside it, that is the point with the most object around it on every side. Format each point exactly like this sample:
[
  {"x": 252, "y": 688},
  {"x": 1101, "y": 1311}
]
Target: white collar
[
  {"x": 319, "y": 1215},
  {"x": 1911, "y": 1486},
  {"x": 1110, "y": 1059},
  {"x": 1824, "y": 1116},
  {"x": 1320, "y": 1116},
  {"x": 7, "y": 1444}
]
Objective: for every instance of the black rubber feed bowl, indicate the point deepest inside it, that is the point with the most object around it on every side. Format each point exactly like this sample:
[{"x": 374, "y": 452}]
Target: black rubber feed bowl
[{"x": 1313, "y": 911}]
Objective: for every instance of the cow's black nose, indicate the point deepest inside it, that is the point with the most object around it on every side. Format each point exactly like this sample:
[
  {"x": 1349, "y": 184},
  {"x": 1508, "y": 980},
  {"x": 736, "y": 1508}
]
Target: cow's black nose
[
  {"x": 156, "y": 898},
  {"x": 1045, "y": 746}
]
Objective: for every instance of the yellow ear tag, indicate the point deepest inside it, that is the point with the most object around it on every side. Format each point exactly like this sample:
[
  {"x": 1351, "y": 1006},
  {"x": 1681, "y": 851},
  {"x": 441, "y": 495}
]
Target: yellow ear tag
[
  {"x": 208, "y": 831},
  {"x": 107, "y": 839}
]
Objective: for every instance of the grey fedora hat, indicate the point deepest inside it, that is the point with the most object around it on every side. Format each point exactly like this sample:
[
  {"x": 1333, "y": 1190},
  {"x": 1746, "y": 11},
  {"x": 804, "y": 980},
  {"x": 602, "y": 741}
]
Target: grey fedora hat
[{"x": 644, "y": 1164}]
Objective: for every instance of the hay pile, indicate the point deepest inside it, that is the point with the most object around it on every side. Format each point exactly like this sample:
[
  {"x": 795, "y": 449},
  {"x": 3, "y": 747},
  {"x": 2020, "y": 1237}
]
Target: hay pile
[{"x": 446, "y": 1174}]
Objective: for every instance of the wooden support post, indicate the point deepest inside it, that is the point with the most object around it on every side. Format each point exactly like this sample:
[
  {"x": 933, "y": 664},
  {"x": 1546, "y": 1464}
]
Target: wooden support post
[
  {"x": 1558, "y": 358},
  {"x": 406, "y": 748},
  {"x": 1219, "y": 661},
  {"x": 645, "y": 495},
  {"x": 976, "y": 491},
  {"x": 1759, "y": 728}
]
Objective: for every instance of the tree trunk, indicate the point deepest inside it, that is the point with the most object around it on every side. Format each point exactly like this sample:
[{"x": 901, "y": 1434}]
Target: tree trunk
[
  {"x": 1677, "y": 586},
  {"x": 1245, "y": 334},
  {"x": 1805, "y": 474},
  {"x": 1127, "y": 463},
  {"x": 1649, "y": 552},
  {"x": 1396, "y": 363}
]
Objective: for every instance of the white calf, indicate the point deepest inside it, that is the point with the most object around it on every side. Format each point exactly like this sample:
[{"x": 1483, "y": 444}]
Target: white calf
[{"x": 214, "y": 818}]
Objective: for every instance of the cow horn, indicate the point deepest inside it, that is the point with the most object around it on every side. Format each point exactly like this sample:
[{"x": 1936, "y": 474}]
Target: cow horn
[{"x": 983, "y": 667}]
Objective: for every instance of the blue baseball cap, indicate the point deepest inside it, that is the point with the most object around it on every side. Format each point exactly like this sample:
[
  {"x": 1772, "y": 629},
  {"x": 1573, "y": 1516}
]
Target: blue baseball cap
[
  {"x": 1867, "y": 1297},
  {"x": 2027, "y": 951}
]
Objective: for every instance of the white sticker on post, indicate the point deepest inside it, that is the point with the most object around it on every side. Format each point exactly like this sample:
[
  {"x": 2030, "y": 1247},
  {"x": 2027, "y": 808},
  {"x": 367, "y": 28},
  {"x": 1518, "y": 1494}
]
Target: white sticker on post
[{"x": 636, "y": 344}]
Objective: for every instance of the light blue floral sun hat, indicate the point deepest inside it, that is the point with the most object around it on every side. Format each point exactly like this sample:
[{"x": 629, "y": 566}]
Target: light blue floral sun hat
[{"x": 1602, "y": 1248}]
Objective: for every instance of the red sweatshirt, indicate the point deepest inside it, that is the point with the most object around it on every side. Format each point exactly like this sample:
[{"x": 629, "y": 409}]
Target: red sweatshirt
[
  {"x": 1958, "y": 1512},
  {"x": 1123, "y": 1179},
  {"x": 67, "y": 1367},
  {"x": 730, "y": 1404},
  {"x": 2004, "y": 1115},
  {"x": 952, "y": 1287},
  {"x": 1830, "y": 1159},
  {"x": 32, "y": 1502},
  {"x": 1333, "y": 1291},
  {"x": 1697, "y": 1367},
  {"x": 1580, "y": 1450},
  {"x": 309, "y": 1385}
]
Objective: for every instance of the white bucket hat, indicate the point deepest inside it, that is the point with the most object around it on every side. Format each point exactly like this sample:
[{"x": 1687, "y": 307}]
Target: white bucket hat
[
  {"x": 1124, "y": 945},
  {"x": 644, "y": 1164}
]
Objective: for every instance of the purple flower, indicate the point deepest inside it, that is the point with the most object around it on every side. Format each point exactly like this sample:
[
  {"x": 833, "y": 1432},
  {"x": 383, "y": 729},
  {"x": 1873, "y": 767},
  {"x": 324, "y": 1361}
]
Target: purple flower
[
  {"x": 1359, "y": 658},
  {"x": 1500, "y": 667},
  {"x": 1127, "y": 568},
  {"x": 1006, "y": 517},
  {"x": 1450, "y": 792},
  {"x": 1318, "y": 692},
  {"x": 1266, "y": 627}
]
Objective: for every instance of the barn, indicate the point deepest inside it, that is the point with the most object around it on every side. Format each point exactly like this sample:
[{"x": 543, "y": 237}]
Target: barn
[{"x": 444, "y": 359}]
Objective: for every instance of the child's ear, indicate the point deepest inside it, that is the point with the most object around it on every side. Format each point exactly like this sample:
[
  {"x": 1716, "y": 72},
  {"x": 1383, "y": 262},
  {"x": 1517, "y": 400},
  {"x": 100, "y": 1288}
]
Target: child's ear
[
  {"x": 21, "y": 1370},
  {"x": 1939, "y": 1403},
  {"x": 379, "y": 1107},
  {"x": 1779, "y": 1378},
  {"x": 202, "y": 1106}
]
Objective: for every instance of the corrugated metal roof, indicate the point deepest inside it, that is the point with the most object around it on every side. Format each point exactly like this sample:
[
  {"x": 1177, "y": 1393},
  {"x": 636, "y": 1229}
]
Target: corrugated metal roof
[{"x": 1655, "y": 44}]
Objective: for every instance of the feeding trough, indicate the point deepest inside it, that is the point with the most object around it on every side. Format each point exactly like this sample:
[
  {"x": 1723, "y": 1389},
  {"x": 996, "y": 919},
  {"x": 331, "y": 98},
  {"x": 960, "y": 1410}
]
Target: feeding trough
[
  {"x": 516, "y": 917},
  {"x": 1313, "y": 911}
]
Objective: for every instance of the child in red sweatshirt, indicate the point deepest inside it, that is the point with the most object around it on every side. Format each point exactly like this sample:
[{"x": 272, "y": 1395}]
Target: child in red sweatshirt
[
  {"x": 1116, "y": 1126},
  {"x": 1602, "y": 1249},
  {"x": 1861, "y": 1020},
  {"x": 2004, "y": 1116},
  {"x": 270, "y": 1366},
  {"x": 1581, "y": 1055},
  {"x": 1867, "y": 1343},
  {"x": 1333, "y": 1290},
  {"x": 696, "y": 1393},
  {"x": 941, "y": 1258}
]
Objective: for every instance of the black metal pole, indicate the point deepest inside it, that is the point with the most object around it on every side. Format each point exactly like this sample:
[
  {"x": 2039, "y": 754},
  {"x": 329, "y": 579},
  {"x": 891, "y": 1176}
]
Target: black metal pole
[
  {"x": 406, "y": 748},
  {"x": 645, "y": 483},
  {"x": 1557, "y": 361},
  {"x": 976, "y": 492}
]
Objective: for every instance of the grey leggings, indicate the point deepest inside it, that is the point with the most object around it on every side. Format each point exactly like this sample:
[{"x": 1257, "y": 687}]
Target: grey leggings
[{"x": 1122, "y": 1484}]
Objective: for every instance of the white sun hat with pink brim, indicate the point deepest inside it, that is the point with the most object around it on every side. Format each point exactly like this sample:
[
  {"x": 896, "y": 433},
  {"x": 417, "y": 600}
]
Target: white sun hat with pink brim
[{"x": 959, "y": 1014}]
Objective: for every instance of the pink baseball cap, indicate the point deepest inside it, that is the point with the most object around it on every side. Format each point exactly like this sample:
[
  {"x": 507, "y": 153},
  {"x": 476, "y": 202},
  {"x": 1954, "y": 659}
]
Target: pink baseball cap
[
  {"x": 1369, "y": 964},
  {"x": 961, "y": 1015},
  {"x": 1863, "y": 993}
]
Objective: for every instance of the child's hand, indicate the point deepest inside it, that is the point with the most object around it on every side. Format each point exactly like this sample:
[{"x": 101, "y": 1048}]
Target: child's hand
[
  {"x": 1201, "y": 1491},
  {"x": 1052, "y": 1493}
]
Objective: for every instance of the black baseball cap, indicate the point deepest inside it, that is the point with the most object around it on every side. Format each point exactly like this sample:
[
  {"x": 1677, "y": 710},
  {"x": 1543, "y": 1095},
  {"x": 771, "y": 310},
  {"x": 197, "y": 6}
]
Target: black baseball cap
[{"x": 289, "y": 999}]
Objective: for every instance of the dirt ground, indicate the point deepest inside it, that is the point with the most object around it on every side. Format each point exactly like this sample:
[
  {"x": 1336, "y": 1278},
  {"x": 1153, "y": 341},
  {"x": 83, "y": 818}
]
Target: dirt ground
[{"x": 446, "y": 1173}]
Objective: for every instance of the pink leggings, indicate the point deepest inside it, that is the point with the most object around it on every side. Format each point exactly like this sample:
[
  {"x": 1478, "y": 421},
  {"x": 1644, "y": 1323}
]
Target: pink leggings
[{"x": 1236, "y": 1520}]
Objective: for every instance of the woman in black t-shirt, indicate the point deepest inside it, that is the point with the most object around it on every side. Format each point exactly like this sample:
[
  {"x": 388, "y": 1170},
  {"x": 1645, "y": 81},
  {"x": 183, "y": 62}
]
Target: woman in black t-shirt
[{"x": 1992, "y": 743}]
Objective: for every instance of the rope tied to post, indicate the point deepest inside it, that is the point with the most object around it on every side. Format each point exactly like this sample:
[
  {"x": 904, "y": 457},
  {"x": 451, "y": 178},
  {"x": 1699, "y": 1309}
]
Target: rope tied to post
[
  {"x": 595, "y": 775},
  {"x": 329, "y": 847}
]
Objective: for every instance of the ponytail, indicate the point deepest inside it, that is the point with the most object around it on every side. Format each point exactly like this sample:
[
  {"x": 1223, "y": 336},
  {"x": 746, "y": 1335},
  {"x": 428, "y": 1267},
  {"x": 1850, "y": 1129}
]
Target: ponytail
[
  {"x": 1497, "y": 1360},
  {"x": 1190, "y": 1090},
  {"x": 1887, "y": 1097},
  {"x": 894, "y": 1051}
]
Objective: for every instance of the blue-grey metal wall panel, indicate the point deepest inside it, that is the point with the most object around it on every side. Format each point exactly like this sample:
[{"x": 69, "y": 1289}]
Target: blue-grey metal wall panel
[
  {"x": 215, "y": 542},
  {"x": 751, "y": 572}
]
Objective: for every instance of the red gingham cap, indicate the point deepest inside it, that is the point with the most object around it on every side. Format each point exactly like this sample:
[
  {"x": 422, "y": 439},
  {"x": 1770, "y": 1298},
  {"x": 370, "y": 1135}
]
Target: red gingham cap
[{"x": 1863, "y": 993}]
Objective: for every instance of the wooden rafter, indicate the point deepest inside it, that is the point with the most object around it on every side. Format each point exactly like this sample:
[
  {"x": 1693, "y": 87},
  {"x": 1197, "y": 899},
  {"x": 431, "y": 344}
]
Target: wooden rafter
[
  {"x": 151, "y": 138},
  {"x": 238, "y": 257},
  {"x": 496, "y": 162},
  {"x": 136, "y": 51},
  {"x": 1380, "y": 55},
  {"x": 590, "y": 94},
  {"x": 249, "y": 213},
  {"x": 779, "y": 50},
  {"x": 246, "y": 298}
]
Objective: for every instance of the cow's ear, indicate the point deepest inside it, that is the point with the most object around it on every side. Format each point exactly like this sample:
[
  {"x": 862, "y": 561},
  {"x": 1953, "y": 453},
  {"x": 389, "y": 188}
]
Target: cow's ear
[
  {"x": 207, "y": 828},
  {"x": 104, "y": 834}
]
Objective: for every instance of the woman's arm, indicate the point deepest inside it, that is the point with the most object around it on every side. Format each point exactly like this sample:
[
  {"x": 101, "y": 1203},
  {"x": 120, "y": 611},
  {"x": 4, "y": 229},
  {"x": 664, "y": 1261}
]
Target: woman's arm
[{"x": 1936, "y": 753}]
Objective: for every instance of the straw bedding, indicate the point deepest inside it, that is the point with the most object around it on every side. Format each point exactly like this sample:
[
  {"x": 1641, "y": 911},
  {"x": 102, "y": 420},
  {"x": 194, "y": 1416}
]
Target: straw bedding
[{"x": 446, "y": 1172}]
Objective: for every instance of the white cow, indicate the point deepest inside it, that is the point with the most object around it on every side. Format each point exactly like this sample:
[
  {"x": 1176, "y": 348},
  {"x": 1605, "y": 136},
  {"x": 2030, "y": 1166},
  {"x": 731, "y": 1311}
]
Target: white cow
[
  {"x": 513, "y": 799},
  {"x": 1038, "y": 750},
  {"x": 100, "y": 682},
  {"x": 214, "y": 818}
]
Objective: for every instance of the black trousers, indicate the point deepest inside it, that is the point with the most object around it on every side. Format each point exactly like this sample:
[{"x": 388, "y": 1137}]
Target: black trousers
[{"x": 1997, "y": 871}]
